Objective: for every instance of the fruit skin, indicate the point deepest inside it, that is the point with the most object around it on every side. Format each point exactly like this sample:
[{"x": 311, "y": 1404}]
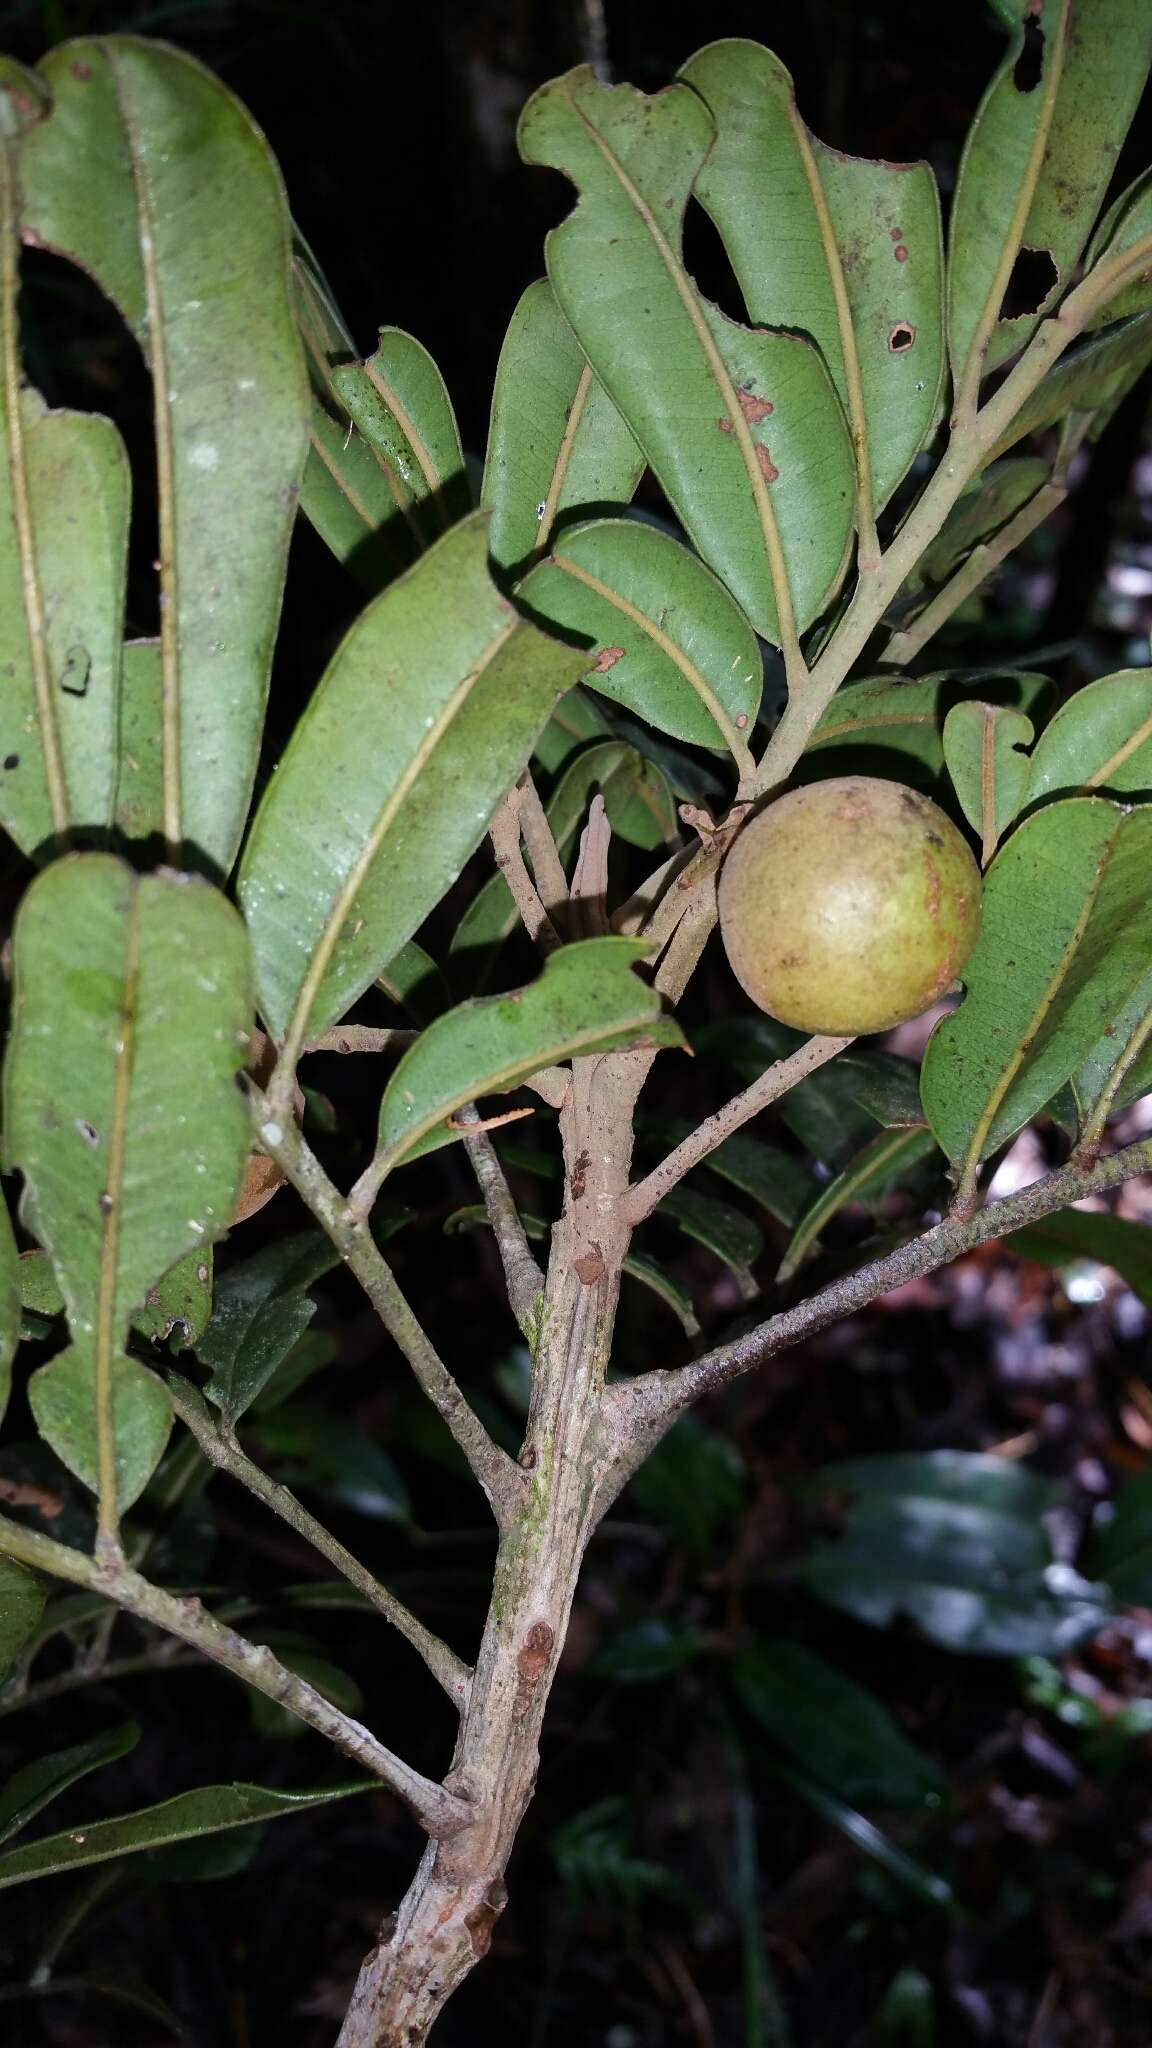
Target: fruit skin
[{"x": 849, "y": 905}]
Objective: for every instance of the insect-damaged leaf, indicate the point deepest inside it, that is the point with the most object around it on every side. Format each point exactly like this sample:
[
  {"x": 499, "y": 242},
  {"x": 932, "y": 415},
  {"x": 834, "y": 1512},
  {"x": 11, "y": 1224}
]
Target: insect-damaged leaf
[
  {"x": 1036, "y": 164},
  {"x": 152, "y": 177},
  {"x": 842, "y": 249},
  {"x": 132, "y": 996},
  {"x": 1065, "y": 936},
  {"x": 424, "y": 718},
  {"x": 906, "y": 718},
  {"x": 399, "y": 402},
  {"x": 743, "y": 428},
  {"x": 556, "y": 444},
  {"x": 64, "y": 492},
  {"x": 587, "y": 1000},
  {"x": 983, "y": 748},
  {"x": 1092, "y": 378}
]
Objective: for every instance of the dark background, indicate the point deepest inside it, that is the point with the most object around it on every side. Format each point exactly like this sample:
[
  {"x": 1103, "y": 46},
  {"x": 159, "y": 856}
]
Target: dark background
[{"x": 670, "y": 1882}]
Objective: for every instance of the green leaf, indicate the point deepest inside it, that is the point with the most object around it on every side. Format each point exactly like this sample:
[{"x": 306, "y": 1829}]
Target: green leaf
[
  {"x": 978, "y": 514},
  {"x": 425, "y": 717},
  {"x": 1066, "y": 934},
  {"x": 778, "y": 1182},
  {"x": 1089, "y": 379},
  {"x": 190, "y": 1814},
  {"x": 1100, "y": 739},
  {"x": 22, "y": 1598},
  {"x": 398, "y": 400},
  {"x": 1127, "y": 222},
  {"x": 32, "y": 1788},
  {"x": 557, "y": 447},
  {"x": 727, "y": 1233},
  {"x": 1073, "y": 1234},
  {"x": 906, "y": 2015},
  {"x": 152, "y": 177},
  {"x": 1120, "y": 1552},
  {"x": 575, "y": 721},
  {"x": 926, "y": 1886},
  {"x": 671, "y": 645},
  {"x": 693, "y": 1485},
  {"x": 1120, "y": 1063},
  {"x": 660, "y": 1283},
  {"x": 906, "y": 719},
  {"x": 1038, "y": 159},
  {"x": 140, "y": 788},
  {"x": 181, "y": 1300},
  {"x": 11, "y": 1303},
  {"x": 874, "y": 1173},
  {"x": 587, "y": 1000},
  {"x": 645, "y": 1651},
  {"x": 742, "y": 427},
  {"x": 983, "y": 751},
  {"x": 955, "y": 1542},
  {"x": 158, "y": 1004},
  {"x": 833, "y": 1726},
  {"x": 260, "y": 1313},
  {"x": 347, "y": 496},
  {"x": 853, "y": 256},
  {"x": 64, "y": 489},
  {"x": 414, "y": 983}
]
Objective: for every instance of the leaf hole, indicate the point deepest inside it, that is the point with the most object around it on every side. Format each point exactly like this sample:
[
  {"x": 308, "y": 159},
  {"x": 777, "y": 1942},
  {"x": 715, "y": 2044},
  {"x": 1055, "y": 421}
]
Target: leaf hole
[
  {"x": 902, "y": 338},
  {"x": 1029, "y": 67},
  {"x": 79, "y": 352},
  {"x": 1034, "y": 275},
  {"x": 706, "y": 261}
]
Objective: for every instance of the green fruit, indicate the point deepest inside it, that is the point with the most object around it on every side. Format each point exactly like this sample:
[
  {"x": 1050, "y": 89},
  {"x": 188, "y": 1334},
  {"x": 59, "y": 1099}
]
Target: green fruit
[{"x": 849, "y": 906}]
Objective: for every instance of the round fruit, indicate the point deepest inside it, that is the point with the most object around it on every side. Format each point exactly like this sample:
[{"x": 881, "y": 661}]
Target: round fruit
[{"x": 849, "y": 906}]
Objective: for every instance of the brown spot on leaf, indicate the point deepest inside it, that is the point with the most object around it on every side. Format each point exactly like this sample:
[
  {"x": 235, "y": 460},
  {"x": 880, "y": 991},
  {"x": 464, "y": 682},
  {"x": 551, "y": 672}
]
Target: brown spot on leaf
[
  {"x": 81, "y": 71},
  {"x": 768, "y": 469},
  {"x": 755, "y": 409},
  {"x": 897, "y": 234},
  {"x": 606, "y": 659},
  {"x": 901, "y": 254}
]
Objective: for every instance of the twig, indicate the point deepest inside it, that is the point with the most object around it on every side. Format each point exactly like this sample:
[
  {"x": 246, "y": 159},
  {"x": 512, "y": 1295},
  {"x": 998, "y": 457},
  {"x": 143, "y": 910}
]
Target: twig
[
  {"x": 903, "y": 646},
  {"x": 505, "y": 836},
  {"x": 640, "y": 1411},
  {"x": 547, "y": 866},
  {"x": 524, "y": 1279},
  {"x": 361, "y": 1038},
  {"x": 440, "y": 1812},
  {"x": 222, "y": 1450},
  {"x": 645, "y": 1195},
  {"x": 105, "y": 1674},
  {"x": 499, "y": 1476}
]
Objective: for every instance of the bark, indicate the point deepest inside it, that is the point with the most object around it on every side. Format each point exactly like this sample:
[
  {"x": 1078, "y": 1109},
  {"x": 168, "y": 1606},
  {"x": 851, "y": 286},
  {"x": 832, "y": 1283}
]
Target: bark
[{"x": 444, "y": 1924}]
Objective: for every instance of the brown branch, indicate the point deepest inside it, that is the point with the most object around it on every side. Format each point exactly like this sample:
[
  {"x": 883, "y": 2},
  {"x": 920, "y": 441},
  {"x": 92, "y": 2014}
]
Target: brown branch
[
  {"x": 639, "y": 1412},
  {"x": 501, "y": 1479},
  {"x": 547, "y": 866},
  {"x": 504, "y": 833},
  {"x": 439, "y": 1812},
  {"x": 222, "y": 1450},
  {"x": 524, "y": 1279},
  {"x": 904, "y": 645},
  {"x": 361, "y": 1038},
  {"x": 645, "y": 1195}
]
